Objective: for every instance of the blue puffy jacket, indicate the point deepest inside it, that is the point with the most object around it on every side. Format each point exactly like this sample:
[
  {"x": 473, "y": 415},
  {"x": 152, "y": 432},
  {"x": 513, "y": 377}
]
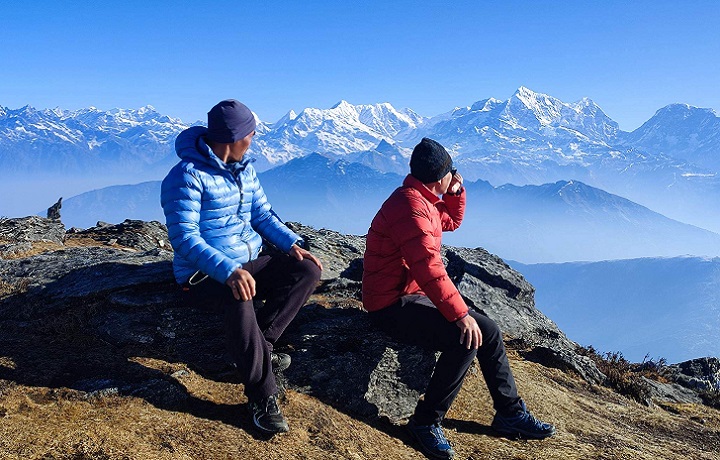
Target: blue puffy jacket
[{"x": 216, "y": 212}]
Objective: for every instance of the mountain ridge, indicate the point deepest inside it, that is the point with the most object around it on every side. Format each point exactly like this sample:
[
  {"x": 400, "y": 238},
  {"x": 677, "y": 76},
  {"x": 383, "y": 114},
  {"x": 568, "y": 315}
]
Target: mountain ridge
[
  {"x": 530, "y": 138},
  {"x": 561, "y": 221}
]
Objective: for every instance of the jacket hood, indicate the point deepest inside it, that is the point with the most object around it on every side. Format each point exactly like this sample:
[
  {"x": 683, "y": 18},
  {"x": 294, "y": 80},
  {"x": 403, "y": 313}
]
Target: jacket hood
[{"x": 191, "y": 145}]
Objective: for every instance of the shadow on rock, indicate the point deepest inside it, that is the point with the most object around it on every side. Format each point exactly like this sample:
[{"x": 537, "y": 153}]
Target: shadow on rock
[{"x": 340, "y": 358}]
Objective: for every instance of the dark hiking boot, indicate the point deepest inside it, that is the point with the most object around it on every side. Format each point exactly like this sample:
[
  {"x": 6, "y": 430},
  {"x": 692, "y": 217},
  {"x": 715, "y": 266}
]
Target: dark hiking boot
[
  {"x": 522, "y": 425},
  {"x": 279, "y": 361},
  {"x": 432, "y": 440},
  {"x": 266, "y": 415}
]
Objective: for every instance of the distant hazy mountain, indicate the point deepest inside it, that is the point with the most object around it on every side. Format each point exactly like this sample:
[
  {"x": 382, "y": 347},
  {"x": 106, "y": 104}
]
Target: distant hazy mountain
[
  {"x": 322, "y": 192},
  {"x": 385, "y": 157},
  {"x": 667, "y": 308},
  {"x": 113, "y": 204},
  {"x": 548, "y": 223},
  {"x": 569, "y": 220},
  {"x": 314, "y": 190}
]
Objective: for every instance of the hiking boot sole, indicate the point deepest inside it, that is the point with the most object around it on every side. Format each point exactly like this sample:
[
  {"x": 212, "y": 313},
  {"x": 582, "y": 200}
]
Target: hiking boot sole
[
  {"x": 450, "y": 455},
  {"x": 279, "y": 429},
  {"x": 513, "y": 433}
]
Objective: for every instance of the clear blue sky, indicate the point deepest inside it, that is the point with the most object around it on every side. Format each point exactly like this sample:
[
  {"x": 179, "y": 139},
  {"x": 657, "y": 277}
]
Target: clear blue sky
[{"x": 630, "y": 57}]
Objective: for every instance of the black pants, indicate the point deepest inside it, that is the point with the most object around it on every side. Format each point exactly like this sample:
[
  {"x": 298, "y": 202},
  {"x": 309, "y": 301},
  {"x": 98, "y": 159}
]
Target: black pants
[
  {"x": 415, "y": 320},
  {"x": 285, "y": 283}
]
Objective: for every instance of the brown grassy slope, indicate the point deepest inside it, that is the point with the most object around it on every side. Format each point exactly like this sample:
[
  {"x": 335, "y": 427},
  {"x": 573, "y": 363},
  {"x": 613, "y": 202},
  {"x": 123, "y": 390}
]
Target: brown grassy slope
[
  {"x": 40, "y": 419},
  {"x": 593, "y": 423}
]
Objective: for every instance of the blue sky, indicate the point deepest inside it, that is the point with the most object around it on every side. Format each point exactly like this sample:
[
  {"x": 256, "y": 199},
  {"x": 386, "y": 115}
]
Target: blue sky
[{"x": 630, "y": 57}]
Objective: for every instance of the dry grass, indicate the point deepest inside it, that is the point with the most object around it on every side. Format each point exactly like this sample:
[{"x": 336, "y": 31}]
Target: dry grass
[
  {"x": 54, "y": 422},
  {"x": 40, "y": 247},
  {"x": 8, "y": 289},
  {"x": 626, "y": 377},
  {"x": 593, "y": 423}
]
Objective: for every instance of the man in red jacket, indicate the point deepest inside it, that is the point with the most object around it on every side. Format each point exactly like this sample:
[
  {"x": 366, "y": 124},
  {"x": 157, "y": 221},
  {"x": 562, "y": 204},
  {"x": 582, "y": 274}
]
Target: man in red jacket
[{"x": 408, "y": 294}]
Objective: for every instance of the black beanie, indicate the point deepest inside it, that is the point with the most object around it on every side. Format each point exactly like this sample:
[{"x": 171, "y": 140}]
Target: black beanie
[
  {"x": 229, "y": 121},
  {"x": 429, "y": 162}
]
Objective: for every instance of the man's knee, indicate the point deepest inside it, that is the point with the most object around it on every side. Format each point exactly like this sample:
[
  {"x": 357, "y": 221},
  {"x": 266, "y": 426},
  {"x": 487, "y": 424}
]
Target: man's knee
[
  {"x": 461, "y": 354},
  {"x": 307, "y": 271},
  {"x": 490, "y": 330}
]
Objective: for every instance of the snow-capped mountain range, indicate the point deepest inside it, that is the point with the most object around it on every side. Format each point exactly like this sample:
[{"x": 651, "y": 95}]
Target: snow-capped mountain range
[
  {"x": 341, "y": 130},
  {"x": 669, "y": 164},
  {"x": 85, "y": 140}
]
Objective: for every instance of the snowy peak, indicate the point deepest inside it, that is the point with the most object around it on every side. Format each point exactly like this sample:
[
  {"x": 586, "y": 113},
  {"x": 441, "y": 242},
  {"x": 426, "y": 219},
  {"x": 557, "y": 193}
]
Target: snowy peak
[
  {"x": 527, "y": 128},
  {"x": 385, "y": 119},
  {"x": 536, "y": 110},
  {"x": 288, "y": 117},
  {"x": 344, "y": 109},
  {"x": 343, "y": 105},
  {"x": 485, "y": 105},
  {"x": 387, "y": 148},
  {"x": 683, "y": 116},
  {"x": 684, "y": 111},
  {"x": 684, "y": 132},
  {"x": 546, "y": 109}
]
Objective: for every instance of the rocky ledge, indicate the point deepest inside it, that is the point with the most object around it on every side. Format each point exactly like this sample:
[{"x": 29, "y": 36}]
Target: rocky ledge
[{"x": 77, "y": 306}]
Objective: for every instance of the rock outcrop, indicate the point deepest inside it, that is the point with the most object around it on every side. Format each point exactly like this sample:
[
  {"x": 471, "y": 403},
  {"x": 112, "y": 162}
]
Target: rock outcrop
[
  {"x": 698, "y": 374},
  {"x": 75, "y": 315},
  {"x": 53, "y": 212}
]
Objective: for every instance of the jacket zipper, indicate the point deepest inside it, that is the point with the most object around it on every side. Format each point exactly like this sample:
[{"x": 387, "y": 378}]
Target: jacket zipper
[{"x": 240, "y": 190}]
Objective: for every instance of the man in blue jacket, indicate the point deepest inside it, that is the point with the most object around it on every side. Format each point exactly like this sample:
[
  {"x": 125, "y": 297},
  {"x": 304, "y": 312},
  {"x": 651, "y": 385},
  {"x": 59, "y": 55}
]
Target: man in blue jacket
[{"x": 217, "y": 215}]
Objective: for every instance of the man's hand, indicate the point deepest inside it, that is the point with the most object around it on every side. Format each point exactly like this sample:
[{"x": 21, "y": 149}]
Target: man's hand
[
  {"x": 455, "y": 183},
  {"x": 300, "y": 254},
  {"x": 242, "y": 284},
  {"x": 470, "y": 334}
]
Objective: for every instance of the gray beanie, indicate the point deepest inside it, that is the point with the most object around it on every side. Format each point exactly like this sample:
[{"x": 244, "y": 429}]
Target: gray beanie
[{"x": 429, "y": 162}]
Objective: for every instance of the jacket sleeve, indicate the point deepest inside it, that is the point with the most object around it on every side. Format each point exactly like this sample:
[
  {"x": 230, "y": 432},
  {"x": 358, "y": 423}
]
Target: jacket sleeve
[
  {"x": 181, "y": 198},
  {"x": 413, "y": 233},
  {"x": 264, "y": 220},
  {"x": 453, "y": 211}
]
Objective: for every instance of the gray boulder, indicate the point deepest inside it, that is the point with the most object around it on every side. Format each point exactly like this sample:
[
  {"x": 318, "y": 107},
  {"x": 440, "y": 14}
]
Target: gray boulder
[
  {"x": 670, "y": 392},
  {"x": 488, "y": 284},
  {"x": 698, "y": 374},
  {"x": 136, "y": 234},
  {"x": 53, "y": 212},
  {"x": 338, "y": 252},
  {"x": 51, "y": 278},
  {"x": 339, "y": 357},
  {"x": 32, "y": 228}
]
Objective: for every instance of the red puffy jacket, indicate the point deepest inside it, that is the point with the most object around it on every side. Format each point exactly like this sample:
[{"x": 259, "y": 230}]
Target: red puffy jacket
[{"x": 402, "y": 254}]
